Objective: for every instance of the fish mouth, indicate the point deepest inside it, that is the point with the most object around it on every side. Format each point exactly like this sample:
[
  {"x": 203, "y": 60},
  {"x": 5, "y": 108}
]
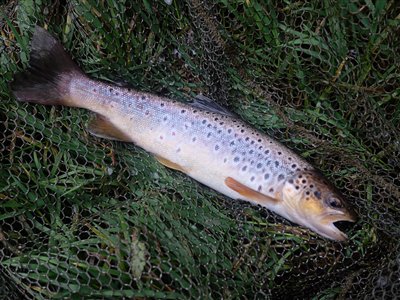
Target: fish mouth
[{"x": 333, "y": 226}]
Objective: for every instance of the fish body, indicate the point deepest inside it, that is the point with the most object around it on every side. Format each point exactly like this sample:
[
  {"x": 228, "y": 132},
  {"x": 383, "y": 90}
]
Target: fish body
[
  {"x": 205, "y": 142},
  {"x": 206, "y": 145}
]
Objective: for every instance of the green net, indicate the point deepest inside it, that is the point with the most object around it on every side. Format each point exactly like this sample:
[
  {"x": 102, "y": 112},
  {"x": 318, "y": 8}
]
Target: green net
[{"x": 86, "y": 217}]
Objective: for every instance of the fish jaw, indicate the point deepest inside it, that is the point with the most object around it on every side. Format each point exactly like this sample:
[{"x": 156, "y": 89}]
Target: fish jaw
[{"x": 327, "y": 228}]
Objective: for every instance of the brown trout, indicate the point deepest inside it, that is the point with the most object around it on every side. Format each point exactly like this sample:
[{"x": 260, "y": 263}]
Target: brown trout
[{"x": 199, "y": 139}]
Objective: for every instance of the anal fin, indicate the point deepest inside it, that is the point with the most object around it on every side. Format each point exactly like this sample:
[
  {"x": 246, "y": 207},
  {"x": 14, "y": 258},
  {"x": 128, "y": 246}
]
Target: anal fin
[
  {"x": 249, "y": 193},
  {"x": 169, "y": 164},
  {"x": 101, "y": 126}
]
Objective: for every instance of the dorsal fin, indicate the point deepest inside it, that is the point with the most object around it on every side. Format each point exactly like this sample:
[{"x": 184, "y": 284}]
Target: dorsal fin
[{"x": 205, "y": 103}]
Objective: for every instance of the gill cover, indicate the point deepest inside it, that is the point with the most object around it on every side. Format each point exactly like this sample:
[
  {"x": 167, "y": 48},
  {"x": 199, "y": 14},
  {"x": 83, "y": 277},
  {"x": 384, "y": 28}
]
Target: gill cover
[{"x": 313, "y": 202}]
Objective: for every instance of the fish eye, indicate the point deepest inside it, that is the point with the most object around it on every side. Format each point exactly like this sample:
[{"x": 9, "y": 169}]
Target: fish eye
[{"x": 334, "y": 203}]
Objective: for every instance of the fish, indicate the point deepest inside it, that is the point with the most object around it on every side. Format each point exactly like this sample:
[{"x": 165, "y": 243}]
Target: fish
[{"x": 199, "y": 138}]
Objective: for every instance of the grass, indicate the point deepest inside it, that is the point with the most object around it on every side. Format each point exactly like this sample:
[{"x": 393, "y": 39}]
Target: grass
[{"x": 85, "y": 217}]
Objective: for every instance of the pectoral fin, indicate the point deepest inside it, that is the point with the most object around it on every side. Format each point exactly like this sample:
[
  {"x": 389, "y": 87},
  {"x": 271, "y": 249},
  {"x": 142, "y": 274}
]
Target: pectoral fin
[
  {"x": 101, "y": 126},
  {"x": 169, "y": 164},
  {"x": 249, "y": 193}
]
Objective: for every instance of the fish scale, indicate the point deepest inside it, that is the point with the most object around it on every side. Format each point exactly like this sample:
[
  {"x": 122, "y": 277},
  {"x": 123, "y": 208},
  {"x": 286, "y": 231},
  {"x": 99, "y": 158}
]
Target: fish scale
[{"x": 200, "y": 139}]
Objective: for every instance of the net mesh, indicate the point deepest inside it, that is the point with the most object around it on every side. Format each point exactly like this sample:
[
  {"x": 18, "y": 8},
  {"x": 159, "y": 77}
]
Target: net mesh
[{"x": 86, "y": 217}]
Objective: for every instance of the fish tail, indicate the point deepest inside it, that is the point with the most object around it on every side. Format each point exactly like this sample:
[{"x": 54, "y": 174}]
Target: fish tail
[{"x": 47, "y": 79}]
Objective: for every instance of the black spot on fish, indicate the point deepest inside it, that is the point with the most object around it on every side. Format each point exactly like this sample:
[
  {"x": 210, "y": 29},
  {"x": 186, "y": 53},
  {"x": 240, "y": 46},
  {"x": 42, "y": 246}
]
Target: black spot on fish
[
  {"x": 209, "y": 125},
  {"x": 251, "y": 151},
  {"x": 259, "y": 188},
  {"x": 307, "y": 193},
  {"x": 281, "y": 177},
  {"x": 266, "y": 176},
  {"x": 266, "y": 152},
  {"x": 219, "y": 131},
  {"x": 259, "y": 165},
  {"x": 94, "y": 90},
  {"x": 294, "y": 166},
  {"x": 317, "y": 194},
  {"x": 279, "y": 152},
  {"x": 242, "y": 131},
  {"x": 259, "y": 148},
  {"x": 252, "y": 142},
  {"x": 117, "y": 93},
  {"x": 276, "y": 163},
  {"x": 209, "y": 134},
  {"x": 216, "y": 147},
  {"x": 252, "y": 178},
  {"x": 232, "y": 143},
  {"x": 236, "y": 159},
  {"x": 162, "y": 104},
  {"x": 225, "y": 160},
  {"x": 246, "y": 139},
  {"x": 291, "y": 181},
  {"x": 252, "y": 162},
  {"x": 304, "y": 181},
  {"x": 311, "y": 186},
  {"x": 259, "y": 140},
  {"x": 183, "y": 111},
  {"x": 229, "y": 130},
  {"x": 221, "y": 123},
  {"x": 289, "y": 158},
  {"x": 216, "y": 119},
  {"x": 111, "y": 90},
  {"x": 178, "y": 150},
  {"x": 271, "y": 190},
  {"x": 165, "y": 118},
  {"x": 244, "y": 168},
  {"x": 204, "y": 121},
  {"x": 143, "y": 97},
  {"x": 297, "y": 187}
]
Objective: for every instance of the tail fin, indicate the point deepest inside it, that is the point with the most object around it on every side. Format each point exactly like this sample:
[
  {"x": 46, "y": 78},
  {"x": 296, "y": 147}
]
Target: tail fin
[{"x": 50, "y": 71}]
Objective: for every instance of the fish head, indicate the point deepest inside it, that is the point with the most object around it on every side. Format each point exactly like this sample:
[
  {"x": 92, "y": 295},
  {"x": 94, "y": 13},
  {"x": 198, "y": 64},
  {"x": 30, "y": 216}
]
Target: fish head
[{"x": 310, "y": 200}]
